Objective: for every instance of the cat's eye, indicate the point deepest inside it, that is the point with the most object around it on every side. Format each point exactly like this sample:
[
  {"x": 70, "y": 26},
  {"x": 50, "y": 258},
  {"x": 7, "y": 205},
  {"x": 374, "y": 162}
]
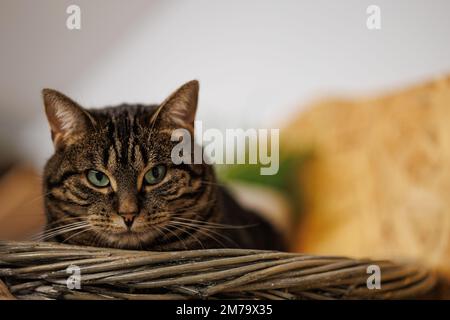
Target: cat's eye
[
  {"x": 97, "y": 178},
  {"x": 155, "y": 174}
]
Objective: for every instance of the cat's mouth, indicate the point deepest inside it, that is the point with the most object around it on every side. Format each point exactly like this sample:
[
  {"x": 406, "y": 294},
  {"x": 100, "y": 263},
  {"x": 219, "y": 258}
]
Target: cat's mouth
[
  {"x": 134, "y": 236},
  {"x": 130, "y": 239}
]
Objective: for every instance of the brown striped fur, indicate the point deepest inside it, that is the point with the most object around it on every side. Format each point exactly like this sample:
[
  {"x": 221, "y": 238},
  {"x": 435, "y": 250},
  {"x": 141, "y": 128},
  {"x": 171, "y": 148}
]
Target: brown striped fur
[{"x": 188, "y": 209}]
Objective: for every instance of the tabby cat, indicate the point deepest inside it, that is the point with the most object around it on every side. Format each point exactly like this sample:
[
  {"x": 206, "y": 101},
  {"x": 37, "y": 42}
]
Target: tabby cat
[{"x": 111, "y": 181}]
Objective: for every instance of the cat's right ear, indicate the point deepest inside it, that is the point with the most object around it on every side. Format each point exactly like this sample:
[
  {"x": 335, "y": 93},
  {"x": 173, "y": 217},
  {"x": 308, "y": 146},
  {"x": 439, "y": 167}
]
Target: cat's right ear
[{"x": 68, "y": 121}]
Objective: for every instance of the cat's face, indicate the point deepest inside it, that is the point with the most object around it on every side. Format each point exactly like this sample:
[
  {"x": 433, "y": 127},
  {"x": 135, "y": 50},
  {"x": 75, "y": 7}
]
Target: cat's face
[{"x": 111, "y": 181}]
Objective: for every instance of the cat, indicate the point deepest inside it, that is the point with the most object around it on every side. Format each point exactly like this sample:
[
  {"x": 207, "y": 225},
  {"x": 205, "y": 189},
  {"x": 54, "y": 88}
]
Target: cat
[{"x": 111, "y": 181}]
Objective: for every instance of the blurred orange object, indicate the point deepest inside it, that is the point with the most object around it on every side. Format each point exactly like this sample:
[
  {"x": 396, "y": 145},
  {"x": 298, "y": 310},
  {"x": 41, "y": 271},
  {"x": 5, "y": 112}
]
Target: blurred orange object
[
  {"x": 378, "y": 183},
  {"x": 21, "y": 203}
]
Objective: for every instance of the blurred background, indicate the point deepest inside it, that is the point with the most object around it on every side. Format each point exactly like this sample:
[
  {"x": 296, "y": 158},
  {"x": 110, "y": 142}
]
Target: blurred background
[
  {"x": 261, "y": 64},
  {"x": 257, "y": 61}
]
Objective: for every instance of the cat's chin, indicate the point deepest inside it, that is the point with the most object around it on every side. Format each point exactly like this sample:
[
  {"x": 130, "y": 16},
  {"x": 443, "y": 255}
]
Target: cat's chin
[{"x": 129, "y": 239}]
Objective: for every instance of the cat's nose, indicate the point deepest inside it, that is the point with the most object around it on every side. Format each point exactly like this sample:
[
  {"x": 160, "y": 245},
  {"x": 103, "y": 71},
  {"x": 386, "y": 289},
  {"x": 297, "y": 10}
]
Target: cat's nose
[
  {"x": 128, "y": 218},
  {"x": 128, "y": 207}
]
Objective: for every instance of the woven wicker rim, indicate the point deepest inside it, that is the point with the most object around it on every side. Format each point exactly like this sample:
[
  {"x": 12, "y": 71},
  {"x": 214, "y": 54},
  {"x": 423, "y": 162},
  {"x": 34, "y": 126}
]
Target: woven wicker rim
[{"x": 38, "y": 270}]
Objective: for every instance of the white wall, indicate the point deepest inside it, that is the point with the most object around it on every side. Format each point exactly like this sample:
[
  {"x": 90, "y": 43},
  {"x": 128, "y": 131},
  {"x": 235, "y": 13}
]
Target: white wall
[{"x": 257, "y": 61}]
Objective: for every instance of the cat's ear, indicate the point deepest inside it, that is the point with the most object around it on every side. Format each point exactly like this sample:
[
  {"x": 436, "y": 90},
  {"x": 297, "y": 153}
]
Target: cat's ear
[
  {"x": 68, "y": 121},
  {"x": 178, "y": 110}
]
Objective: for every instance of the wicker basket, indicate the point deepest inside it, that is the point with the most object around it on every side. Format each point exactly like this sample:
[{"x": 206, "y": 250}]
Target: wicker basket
[{"x": 38, "y": 270}]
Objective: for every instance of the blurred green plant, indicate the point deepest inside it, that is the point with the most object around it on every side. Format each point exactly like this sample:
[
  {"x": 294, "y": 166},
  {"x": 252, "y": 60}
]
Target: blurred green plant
[{"x": 285, "y": 181}]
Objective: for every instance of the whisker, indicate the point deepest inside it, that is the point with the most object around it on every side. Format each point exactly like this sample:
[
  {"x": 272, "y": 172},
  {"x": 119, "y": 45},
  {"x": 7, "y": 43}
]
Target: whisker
[
  {"x": 56, "y": 233},
  {"x": 179, "y": 239},
  {"x": 63, "y": 220},
  {"x": 63, "y": 226},
  {"x": 190, "y": 234},
  {"x": 60, "y": 231},
  {"x": 215, "y": 225},
  {"x": 203, "y": 205},
  {"x": 202, "y": 231},
  {"x": 205, "y": 228},
  {"x": 35, "y": 199},
  {"x": 87, "y": 228},
  {"x": 98, "y": 241}
]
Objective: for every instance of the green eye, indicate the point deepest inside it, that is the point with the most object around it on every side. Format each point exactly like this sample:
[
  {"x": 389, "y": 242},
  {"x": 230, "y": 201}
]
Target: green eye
[
  {"x": 155, "y": 174},
  {"x": 97, "y": 178}
]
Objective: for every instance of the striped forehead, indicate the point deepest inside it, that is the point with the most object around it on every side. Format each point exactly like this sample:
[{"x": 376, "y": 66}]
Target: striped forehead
[{"x": 126, "y": 145}]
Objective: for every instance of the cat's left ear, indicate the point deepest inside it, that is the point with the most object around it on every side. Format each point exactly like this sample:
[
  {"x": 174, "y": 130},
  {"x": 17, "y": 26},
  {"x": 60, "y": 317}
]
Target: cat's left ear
[{"x": 178, "y": 110}]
